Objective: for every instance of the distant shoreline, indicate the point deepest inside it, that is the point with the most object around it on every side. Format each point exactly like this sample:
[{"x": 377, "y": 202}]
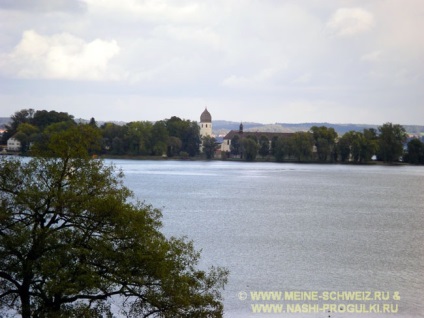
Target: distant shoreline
[{"x": 260, "y": 160}]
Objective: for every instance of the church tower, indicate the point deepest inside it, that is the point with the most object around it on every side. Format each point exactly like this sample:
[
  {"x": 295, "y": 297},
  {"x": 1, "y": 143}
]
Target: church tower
[{"x": 205, "y": 123}]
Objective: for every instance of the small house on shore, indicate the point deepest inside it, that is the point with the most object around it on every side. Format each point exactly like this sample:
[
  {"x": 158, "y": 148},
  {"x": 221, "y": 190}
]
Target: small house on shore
[{"x": 13, "y": 144}]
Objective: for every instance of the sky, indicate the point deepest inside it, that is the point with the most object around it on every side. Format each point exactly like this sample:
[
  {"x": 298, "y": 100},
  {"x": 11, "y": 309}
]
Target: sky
[{"x": 294, "y": 61}]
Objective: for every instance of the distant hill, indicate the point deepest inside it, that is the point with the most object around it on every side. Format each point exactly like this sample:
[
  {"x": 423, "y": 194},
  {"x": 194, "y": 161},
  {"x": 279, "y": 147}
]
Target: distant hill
[
  {"x": 4, "y": 121},
  {"x": 99, "y": 123},
  {"x": 339, "y": 128},
  {"x": 271, "y": 128},
  {"x": 222, "y": 127}
]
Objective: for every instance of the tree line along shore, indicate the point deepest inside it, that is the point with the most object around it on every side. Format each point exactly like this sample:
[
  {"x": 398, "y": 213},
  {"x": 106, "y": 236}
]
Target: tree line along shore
[{"x": 180, "y": 138}]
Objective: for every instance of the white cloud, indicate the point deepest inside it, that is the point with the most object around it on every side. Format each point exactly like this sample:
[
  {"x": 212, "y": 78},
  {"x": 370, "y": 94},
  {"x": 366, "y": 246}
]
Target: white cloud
[
  {"x": 43, "y": 5},
  {"x": 60, "y": 56},
  {"x": 303, "y": 79},
  {"x": 190, "y": 35},
  {"x": 372, "y": 56},
  {"x": 148, "y": 10},
  {"x": 241, "y": 54},
  {"x": 350, "y": 21},
  {"x": 262, "y": 79}
]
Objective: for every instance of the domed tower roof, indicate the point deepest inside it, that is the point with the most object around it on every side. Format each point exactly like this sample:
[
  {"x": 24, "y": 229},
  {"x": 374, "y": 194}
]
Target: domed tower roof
[{"x": 206, "y": 117}]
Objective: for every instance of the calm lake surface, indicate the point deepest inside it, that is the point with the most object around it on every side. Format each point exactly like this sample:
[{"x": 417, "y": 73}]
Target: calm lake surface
[{"x": 294, "y": 227}]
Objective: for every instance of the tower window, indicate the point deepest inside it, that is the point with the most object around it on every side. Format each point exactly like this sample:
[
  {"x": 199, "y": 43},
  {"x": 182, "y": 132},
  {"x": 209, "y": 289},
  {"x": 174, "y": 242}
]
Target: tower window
[{"x": 206, "y": 125}]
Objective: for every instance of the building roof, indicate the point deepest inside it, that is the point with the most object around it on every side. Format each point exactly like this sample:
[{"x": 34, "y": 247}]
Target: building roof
[
  {"x": 257, "y": 134},
  {"x": 206, "y": 117}
]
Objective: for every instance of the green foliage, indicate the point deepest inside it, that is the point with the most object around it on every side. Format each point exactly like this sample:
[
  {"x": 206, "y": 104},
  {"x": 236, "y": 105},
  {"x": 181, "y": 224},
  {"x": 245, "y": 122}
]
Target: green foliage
[
  {"x": 145, "y": 138},
  {"x": 113, "y": 136},
  {"x": 283, "y": 148},
  {"x": 44, "y": 118},
  {"x": 325, "y": 139},
  {"x": 159, "y": 138},
  {"x": 28, "y": 129},
  {"x": 138, "y": 137},
  {"x": 210, "y": 145},
  {"x": 235, "y": 147},
  {"x": 184, "y": 155},
  {"x": 391, "y": 141},
  {"x": 70, "y": 240},
  {"x": 370, "y": 147},
  {"x": 188, "y": 132},
  {"x": 250, "y": 149},
  {"x": 415, "y": 153},
  {"x": 273, "y": 145},
  {"x": 343, "y": 147},
  {"x": 264, "y": 146},
  {"x": 358, "y": 147},
  {"x": 30, "y": 123},
  {"x": 20, "y": 117},
  {"x": 302, "y": 144},
  {"x": 76, "y": 141},
  {"x": 174, "y": 146}
]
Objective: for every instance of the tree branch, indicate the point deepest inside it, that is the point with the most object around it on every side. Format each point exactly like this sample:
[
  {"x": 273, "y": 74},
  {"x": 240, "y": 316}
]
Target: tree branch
[{"x": 9, "y": 278}]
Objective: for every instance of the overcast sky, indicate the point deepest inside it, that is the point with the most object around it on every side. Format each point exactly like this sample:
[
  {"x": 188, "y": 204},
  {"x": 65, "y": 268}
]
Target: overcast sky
[{"x": 340, "y": 61}]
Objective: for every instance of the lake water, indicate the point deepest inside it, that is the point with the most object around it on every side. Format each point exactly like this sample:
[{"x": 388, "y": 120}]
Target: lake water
[{"x": 294, "y": 227}]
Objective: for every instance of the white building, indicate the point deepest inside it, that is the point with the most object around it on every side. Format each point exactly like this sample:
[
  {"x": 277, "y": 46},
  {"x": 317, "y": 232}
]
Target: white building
[{"x": 13, "y": 144}]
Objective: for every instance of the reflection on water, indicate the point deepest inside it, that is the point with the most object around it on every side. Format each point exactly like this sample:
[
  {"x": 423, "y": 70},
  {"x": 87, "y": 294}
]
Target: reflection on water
[{"x": 288, "y": 227}]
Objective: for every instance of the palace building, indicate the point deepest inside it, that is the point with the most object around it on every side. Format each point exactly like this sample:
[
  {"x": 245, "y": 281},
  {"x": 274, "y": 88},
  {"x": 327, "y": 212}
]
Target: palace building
[
  {"x": 226, "y": 144},
  {"x": 205, "y": 126}
]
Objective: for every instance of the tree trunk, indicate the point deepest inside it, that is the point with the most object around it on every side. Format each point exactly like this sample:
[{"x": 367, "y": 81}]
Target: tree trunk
[{"x": 26, "y": 304}]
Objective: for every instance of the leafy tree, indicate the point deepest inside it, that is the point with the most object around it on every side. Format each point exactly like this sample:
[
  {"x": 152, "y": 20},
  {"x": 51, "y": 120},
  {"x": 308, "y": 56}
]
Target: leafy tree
[
  {"x": 41, "y": 140},
  {"x": 359, "y": 146},
  {"x": 93, "y": 122},
  {"x": 210, "y": 145},
  {"x": 138, "y": 136},
  {"x": 303, "y": 143},
  {"x": 391, "y": 141},
  {"x": 159, "y": 138},
  {"x": 325, "y": 139},
  {"x": 273, "y": 144},
  {"x": 175, "y": 126},
  {"x": 191, "y": 139},
  {"x": 29, "y": 122},
  {"x": 235, "y": 147},
  {"x": 26, "y": 133},
  {"x": 111, "y": 134},
  {"x": 370, "y": 147},
  {"x": 264, "y": 147},
  {"x": 174, "y": 146},
  {"x": 283, "y": 148},
  {"x": 44, "y": 118},
  {"x": 187, "y": 131},
  {"x": 415, "y": 153},
  {"x": 117, "y": 147},
  {"x": 250, "y": 149},
  {"x": 20, "y": 117},
  {"x": 343, "y": 146},
  {"x": 70, "y": 240},
  {"x": 28, "y": 129}
]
